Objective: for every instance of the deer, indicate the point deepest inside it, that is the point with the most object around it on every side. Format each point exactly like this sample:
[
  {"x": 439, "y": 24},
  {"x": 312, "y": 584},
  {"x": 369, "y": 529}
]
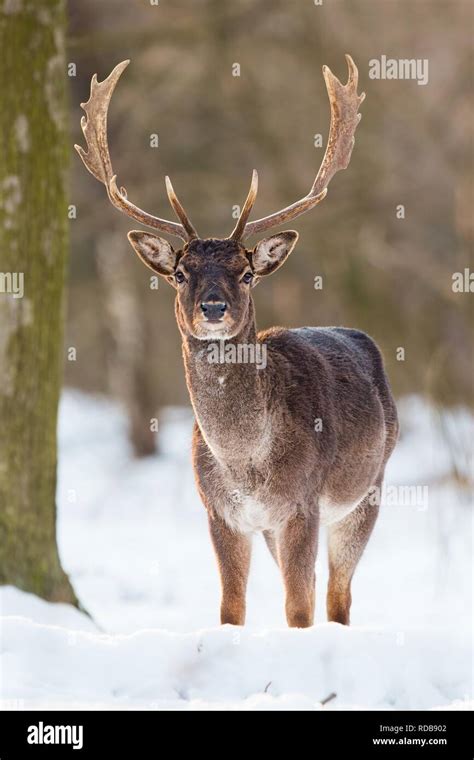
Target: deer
[{"x": 260, "y": 462}]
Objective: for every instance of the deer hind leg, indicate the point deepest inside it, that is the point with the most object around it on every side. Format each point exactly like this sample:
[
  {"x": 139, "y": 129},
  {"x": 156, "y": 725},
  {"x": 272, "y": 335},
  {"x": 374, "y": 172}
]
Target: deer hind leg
[
  {"x": 347, "y": 540},
  {"x": 296, "y": 550},
  {"x": 271, "y": 543},
  {"x": 233, "y": 551}
]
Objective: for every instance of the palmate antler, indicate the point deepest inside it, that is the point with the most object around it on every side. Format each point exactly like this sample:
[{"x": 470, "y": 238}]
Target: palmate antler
[
  {"x": 97, "y": 160},
  {"x": 345, "y": 103}
]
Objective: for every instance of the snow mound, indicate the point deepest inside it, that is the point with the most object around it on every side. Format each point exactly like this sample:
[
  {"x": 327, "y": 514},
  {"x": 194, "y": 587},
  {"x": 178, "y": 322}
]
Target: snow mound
[
  {"x": 133, "y": 537},
  {"x": 232, "y": 667}
]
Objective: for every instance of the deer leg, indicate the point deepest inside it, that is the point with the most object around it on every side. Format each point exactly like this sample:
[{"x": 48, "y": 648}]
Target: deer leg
[
  {"x": 270, "y": 541},
  {"x": 233, "y": 552},
  {"x": 347, "y": 540},
  {"x": 296, "y": 549}
]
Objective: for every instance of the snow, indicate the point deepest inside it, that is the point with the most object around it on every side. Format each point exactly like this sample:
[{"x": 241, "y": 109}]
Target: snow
[{"x": 133, "y": 537}]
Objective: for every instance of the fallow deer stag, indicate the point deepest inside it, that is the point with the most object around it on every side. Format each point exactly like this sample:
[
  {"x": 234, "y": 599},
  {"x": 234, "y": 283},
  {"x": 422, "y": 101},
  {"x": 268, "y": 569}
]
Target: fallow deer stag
[{"x": 261, "y": 463}]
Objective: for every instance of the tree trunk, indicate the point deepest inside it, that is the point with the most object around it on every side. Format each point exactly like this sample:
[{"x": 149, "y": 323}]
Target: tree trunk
[
  {"x": 33, "y": 245},
  {"x": 129, "y": 343}
]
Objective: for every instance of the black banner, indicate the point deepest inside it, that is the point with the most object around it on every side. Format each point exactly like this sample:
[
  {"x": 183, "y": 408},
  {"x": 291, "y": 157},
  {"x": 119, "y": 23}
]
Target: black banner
[{"x": 101, "y": 734}]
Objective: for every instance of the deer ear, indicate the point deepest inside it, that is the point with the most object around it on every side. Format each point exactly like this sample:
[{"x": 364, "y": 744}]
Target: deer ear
[
  {"x": 272, "y": 252},
  {"x": 155, "y": 252}
]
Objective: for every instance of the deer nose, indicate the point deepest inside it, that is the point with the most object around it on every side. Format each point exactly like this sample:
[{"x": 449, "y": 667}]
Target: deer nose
[{"x": 213, "y": 310}]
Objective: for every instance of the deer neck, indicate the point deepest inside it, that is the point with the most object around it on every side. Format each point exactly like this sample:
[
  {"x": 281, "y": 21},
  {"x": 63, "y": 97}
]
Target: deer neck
[{"x": 227, "y": 392}]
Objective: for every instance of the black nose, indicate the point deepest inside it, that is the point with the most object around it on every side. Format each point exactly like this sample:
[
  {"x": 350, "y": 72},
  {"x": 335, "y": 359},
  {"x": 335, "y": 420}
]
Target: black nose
[{"x": 213, "y": 310}]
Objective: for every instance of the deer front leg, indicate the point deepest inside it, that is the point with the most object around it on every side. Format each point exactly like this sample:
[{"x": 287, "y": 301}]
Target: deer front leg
[
  {"x": 297, "y": 545},
  {"x": 233, "y": 552}
]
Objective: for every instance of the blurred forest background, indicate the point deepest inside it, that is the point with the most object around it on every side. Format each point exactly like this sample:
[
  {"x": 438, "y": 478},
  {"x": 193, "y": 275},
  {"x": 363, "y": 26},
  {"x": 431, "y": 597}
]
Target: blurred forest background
[{"x": 391, "y": 277}]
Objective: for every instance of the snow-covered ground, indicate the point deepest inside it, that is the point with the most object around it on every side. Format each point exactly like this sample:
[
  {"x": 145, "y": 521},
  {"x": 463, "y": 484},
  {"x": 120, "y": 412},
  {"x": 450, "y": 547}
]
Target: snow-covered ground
[{"x": 133, "y": 537}]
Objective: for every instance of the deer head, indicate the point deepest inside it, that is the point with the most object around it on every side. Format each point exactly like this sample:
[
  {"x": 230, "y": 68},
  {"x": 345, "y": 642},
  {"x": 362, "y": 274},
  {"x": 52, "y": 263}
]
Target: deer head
[{"x": 213, "y": 277}]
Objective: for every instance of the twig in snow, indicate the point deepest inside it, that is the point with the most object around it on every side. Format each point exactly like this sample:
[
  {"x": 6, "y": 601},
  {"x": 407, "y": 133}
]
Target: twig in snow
[{"x": 329, "y": 698}]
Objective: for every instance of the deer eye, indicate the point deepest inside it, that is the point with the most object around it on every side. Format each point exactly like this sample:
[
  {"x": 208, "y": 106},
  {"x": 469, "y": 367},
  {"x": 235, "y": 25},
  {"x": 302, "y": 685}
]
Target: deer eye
[
  {"x": 248, "y": 277},
  {"x": 179, "y": 277}
]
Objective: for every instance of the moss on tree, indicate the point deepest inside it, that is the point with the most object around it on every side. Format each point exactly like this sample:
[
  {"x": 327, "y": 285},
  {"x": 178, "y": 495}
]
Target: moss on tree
[{"x": 33, "y": 242}]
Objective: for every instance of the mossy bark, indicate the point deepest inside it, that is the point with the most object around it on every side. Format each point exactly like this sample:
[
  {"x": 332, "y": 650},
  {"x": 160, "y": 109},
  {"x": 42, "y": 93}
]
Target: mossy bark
[{"x": 33, "y": 243}]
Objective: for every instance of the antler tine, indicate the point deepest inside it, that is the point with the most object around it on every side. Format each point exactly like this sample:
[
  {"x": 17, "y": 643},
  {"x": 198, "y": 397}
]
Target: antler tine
[
  {"x": 97, "y": 158},
  {"x": 344, "y": 102},
  {"x": 179, "y": 210},
  {"x": 239, "y": 228}
]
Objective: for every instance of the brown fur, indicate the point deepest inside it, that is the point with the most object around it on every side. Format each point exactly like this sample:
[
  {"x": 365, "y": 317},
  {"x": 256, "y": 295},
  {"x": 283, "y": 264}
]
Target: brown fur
[{"x": 260, "y": 465}]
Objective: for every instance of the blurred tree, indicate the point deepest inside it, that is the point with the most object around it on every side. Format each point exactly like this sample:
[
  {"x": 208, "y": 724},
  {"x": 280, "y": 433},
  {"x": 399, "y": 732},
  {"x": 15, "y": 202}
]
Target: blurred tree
[
  {"x": 129, "y": 342},
  {"x": 33, "y": 244}
]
